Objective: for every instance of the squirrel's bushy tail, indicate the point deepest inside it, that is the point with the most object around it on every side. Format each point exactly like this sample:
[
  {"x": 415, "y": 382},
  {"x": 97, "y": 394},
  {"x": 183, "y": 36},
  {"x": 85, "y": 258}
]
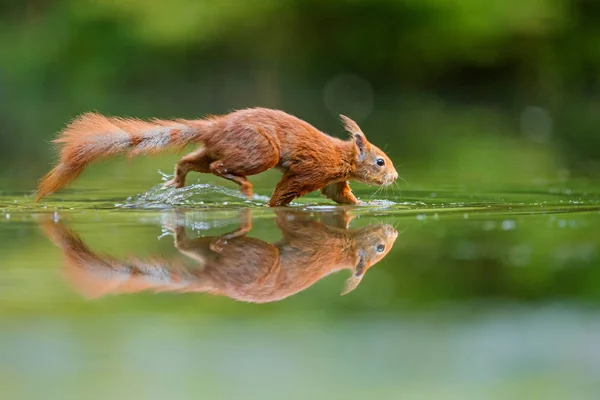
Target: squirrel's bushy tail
[{"x": 93, "y": 136}]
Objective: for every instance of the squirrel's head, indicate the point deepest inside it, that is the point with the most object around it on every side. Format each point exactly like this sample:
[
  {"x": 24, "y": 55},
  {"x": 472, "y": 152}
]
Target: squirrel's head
[
  {"x": 372, "y": 244},
  {"x": 373, "y": 166}
]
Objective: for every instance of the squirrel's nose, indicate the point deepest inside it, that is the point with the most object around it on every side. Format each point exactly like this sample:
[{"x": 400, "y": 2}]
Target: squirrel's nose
[{"x": 395, "y": 175}]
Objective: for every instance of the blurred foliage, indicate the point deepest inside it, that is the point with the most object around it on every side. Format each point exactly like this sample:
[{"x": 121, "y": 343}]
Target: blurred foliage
[{"x": 430, "y": 76}]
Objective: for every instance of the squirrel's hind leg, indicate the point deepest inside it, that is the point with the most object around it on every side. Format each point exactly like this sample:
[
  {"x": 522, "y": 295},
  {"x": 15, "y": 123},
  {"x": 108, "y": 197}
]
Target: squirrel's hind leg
[
  {"x": 221, "y": 169},
  {"x": 236, "y": 166},
  {"x": 198, "y": 161}
]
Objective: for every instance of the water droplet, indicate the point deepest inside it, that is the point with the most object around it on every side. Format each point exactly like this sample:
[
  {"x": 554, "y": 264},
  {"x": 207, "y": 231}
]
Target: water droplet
[
  {"x": 421, "y": 217},
  {"x": 508, "y": 225},
  {"x": 7, "y": 216}
]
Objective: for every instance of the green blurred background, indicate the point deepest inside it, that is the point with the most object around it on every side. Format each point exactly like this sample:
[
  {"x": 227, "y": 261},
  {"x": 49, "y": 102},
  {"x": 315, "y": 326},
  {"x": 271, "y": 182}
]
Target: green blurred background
[
  {"x": 447, "y": 85},
  {"x": 490, "y": 111}
]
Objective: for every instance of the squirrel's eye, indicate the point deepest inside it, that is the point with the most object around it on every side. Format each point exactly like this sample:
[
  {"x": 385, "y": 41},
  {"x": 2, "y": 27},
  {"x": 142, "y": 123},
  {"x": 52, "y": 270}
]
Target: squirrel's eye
[
  {"x": 380, "y": 248},
  {"x": 380, "y": 162}
]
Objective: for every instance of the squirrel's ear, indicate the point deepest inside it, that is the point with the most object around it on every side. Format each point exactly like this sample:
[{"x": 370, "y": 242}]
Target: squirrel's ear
[
  {"x": 361, "y": 145},
  {"x": 357, "y": 275},
  {"x": 351, "y": 284},
  {"x": 357, "y": 136},
  {"x": 350, "y": 126}
]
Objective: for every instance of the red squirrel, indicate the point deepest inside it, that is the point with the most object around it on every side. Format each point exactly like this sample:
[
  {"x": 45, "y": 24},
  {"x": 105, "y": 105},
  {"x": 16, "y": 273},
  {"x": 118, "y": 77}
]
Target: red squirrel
[
  {"x": 233, "y": 265},
  {"x": 236, "y": 145}
]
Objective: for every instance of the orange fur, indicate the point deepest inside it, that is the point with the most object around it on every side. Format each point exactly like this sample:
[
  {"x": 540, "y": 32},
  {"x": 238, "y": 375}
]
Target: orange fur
[
  {"x": 234, "y": 265},
  {"x": 236, "y": 145},
  {"x": 92, "y": 137}
]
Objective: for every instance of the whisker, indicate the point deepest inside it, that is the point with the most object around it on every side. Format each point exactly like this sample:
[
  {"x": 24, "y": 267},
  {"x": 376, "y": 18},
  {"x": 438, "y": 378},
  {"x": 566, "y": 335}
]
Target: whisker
[
  {"x": 401, "y": 232},
  {"x": 395, "y": 188},
  {"x": 374, "y": 193}
]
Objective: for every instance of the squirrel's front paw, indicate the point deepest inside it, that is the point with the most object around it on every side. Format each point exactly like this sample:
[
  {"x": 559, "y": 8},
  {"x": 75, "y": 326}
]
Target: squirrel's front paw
[{"x": 246, "y": 190}]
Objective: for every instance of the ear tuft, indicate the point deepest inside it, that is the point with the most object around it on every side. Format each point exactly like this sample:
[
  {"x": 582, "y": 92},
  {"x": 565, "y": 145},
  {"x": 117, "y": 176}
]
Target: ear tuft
[
  {"x": 351, "y": 284},
  {"x": 350, "y": 126}
]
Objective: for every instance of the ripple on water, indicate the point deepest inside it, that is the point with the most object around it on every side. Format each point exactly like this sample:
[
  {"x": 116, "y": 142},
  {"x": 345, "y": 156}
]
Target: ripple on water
[{"x": 160, "y": 197}]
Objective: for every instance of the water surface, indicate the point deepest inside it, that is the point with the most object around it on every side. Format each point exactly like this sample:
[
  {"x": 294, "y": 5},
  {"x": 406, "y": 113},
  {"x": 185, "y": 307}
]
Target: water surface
[{"x": 489, "y": 294}]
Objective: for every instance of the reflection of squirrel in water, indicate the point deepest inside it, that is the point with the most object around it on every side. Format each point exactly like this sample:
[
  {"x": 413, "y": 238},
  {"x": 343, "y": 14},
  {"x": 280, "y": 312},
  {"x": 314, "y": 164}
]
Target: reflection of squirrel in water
[
  {"x": 236, "y": 145},
  {"x": 234, "y": 265}
]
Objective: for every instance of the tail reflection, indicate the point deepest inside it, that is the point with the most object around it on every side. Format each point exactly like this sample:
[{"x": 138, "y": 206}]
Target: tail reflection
[{"x": 234, "y": 265}]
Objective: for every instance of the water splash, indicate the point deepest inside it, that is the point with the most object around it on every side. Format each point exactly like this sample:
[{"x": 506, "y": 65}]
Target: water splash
[
  {"x": 159, "y": 197},
  {"x": 382, "y": 203}
]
